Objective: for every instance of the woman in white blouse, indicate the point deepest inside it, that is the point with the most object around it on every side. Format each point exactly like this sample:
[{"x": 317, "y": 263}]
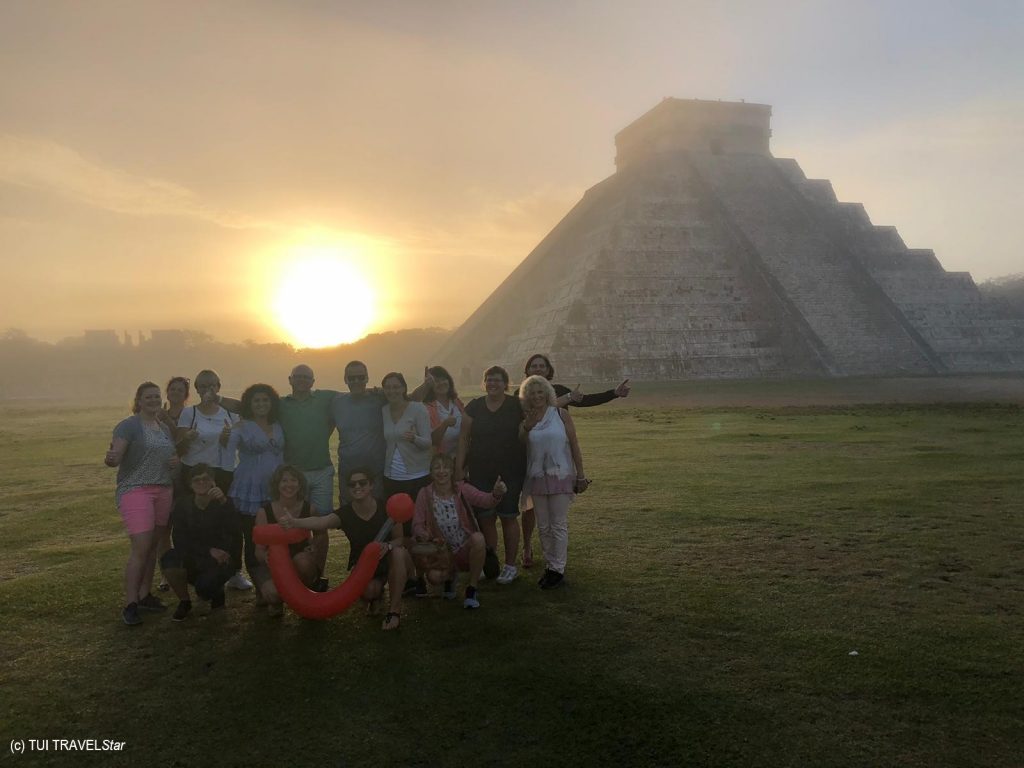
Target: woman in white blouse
[
  {"x": 407, "y": 435},
  {"x": 554, "y": 472}
]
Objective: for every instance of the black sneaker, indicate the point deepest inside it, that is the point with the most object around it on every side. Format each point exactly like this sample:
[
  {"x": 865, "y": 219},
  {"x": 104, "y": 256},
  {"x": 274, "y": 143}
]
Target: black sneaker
[
  {"x": 448, "y": 592},
  {"x": 183, "y": 609},
  {"x": 491, "y": 565},
  {"x": 152, "y": 603},
  {"x": 421, "y": 587},
  {"x": 217, "y": 602},
  {"x": 410, "y": 588},
  {"x": 554, "y": 581},
  {"x": 130, "y": 614},
  {"x": 544, "y": 578},
  {"x": 320, "y": 585}
]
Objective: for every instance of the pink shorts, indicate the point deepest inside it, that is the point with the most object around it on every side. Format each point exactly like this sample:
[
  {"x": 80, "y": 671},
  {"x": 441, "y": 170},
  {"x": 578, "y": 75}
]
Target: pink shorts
[{"x": 145, "y": 508}]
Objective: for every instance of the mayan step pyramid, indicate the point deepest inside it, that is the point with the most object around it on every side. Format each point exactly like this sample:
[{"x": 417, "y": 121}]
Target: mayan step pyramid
[{"x": 703, "y": 256}]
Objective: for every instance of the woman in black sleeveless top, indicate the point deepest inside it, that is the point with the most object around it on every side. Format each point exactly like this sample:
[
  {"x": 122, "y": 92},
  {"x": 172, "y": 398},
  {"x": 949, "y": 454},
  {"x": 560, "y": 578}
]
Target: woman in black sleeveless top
[{"x": 288, "y": 491}]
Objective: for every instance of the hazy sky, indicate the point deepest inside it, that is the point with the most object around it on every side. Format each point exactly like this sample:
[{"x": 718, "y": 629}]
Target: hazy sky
[{"x": 169, "y": 164}]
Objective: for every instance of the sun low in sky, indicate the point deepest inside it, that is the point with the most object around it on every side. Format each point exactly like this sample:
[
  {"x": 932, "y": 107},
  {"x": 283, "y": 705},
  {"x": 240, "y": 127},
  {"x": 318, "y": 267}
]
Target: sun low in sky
[
  {"x": 322, "y": 298},
  {"x": 306, "y": 172}
]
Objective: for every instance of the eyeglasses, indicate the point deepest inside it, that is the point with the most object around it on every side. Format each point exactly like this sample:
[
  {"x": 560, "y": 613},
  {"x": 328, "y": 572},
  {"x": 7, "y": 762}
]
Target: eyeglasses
[{"x": 358, "y": 483}]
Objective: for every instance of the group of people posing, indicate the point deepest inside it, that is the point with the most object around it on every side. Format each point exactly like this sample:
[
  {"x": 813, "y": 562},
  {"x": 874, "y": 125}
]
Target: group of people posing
[{"x": 193, "y": 481}]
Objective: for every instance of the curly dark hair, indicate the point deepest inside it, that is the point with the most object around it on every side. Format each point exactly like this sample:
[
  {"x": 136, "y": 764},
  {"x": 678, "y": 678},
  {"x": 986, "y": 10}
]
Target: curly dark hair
[{"x": 252, "y": 391}]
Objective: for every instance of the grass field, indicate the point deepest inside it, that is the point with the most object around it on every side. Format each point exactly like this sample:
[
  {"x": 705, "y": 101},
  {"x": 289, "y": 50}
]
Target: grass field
[{"x": 723, "y": 568}]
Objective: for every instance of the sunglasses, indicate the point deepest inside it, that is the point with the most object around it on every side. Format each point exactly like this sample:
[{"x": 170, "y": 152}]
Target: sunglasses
[{"x": 358, "y": 483}]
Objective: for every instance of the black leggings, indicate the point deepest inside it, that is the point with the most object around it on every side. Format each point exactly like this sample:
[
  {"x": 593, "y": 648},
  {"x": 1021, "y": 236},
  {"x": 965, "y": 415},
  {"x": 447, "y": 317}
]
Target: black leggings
[{"x": 244, "y": 544}]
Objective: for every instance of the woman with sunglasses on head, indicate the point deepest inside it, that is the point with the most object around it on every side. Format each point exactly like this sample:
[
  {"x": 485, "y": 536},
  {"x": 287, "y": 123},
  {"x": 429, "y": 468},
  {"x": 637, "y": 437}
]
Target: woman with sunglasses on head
[
  {"x": 143, "y": 451},
  {"x": 177, "y": 392},
  {"x": 258, "y": 442},
  {"x": 362, "y": 520}
]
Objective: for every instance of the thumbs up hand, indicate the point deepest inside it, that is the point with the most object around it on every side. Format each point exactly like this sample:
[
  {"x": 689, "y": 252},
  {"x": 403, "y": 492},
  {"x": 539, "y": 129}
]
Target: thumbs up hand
[
  {"x": 500, "y": 489},
  {"x": 225, "y": 432}
]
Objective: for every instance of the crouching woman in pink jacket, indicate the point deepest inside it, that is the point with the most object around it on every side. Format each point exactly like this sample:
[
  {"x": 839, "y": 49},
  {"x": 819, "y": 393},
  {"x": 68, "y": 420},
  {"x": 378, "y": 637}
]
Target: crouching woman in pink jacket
[{"x": 444, "y": 517}]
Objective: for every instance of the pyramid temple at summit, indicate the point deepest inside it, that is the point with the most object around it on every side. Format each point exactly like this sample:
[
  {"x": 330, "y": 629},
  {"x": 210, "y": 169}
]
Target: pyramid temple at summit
[{"x": 703, "y": 256}]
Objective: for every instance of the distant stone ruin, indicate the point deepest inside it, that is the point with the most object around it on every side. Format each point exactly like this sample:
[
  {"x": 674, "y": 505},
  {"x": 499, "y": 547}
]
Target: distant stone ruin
[{"x": 703, "y": 256}]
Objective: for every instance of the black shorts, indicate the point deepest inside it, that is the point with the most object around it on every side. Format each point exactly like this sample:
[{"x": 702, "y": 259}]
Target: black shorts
[{"x": 508, "y": 507}]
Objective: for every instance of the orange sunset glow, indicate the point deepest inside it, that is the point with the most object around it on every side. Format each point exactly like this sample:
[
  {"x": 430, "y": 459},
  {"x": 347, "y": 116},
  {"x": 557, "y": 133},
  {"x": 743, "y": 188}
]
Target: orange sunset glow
[
  {"x": 322, "y": 298},
  {"x": 172, "y": 179}
]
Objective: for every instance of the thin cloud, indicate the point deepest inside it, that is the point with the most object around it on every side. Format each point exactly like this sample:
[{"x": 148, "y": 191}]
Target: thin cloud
[{"x": 51, "y": 167}]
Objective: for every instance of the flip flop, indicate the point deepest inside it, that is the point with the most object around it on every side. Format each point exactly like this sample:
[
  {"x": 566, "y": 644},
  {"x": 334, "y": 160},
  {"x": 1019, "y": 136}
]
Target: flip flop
[{"x": 387, "y": 626}]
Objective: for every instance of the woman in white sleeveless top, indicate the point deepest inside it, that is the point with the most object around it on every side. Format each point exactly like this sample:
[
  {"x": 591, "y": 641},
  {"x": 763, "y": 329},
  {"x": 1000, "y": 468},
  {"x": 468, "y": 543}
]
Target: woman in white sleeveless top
[{"x": 554, "y": 472}]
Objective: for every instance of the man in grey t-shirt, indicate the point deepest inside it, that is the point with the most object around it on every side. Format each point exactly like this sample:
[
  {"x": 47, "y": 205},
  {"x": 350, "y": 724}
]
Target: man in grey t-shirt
[{"x": 358, "y": 417}]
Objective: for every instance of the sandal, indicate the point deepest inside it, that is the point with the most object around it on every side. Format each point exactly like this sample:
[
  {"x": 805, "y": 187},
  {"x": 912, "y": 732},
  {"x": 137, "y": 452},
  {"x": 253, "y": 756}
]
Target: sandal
[
  {"x": 390, "y": 617},
  {"x": 527, "y": 557}
]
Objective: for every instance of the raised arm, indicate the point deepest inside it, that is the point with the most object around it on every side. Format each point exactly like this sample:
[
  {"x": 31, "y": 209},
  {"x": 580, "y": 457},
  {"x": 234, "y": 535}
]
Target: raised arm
[
  {"x": 483, "y": 499},
  {"x": 421, "y": 391},
  {"x": 229, "y": 404},
  {"x": 600, "y": 398},
  {"x": 312, "y": 523}
]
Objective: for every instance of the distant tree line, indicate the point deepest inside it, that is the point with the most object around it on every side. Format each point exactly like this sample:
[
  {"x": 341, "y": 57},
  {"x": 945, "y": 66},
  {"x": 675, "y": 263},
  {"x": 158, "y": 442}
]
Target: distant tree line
[
  {"x": 1008, "y": 292},
  {"x": 73, "y": 369}
]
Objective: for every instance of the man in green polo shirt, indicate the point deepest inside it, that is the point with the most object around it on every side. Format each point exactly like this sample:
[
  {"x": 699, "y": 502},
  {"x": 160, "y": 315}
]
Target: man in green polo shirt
[{"x": 307, "y": 423}]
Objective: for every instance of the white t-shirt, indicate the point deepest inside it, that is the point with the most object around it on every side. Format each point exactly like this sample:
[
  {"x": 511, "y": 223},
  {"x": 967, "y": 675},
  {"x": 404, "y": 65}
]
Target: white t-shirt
[{"x": 206, "y": 448}]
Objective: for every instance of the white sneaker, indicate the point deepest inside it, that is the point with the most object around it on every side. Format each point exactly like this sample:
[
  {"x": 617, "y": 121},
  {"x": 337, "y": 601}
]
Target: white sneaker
[
  {"x": 238, "y": 581},
  {"x": 508, "y": 574}
]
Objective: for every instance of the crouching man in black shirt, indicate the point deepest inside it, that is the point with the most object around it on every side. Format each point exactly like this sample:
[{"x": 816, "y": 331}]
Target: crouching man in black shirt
[{"x": 205, "y": 529}]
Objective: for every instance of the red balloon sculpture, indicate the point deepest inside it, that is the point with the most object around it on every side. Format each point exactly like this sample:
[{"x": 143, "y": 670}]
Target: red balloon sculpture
[{"x": 323, "y": 605}]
